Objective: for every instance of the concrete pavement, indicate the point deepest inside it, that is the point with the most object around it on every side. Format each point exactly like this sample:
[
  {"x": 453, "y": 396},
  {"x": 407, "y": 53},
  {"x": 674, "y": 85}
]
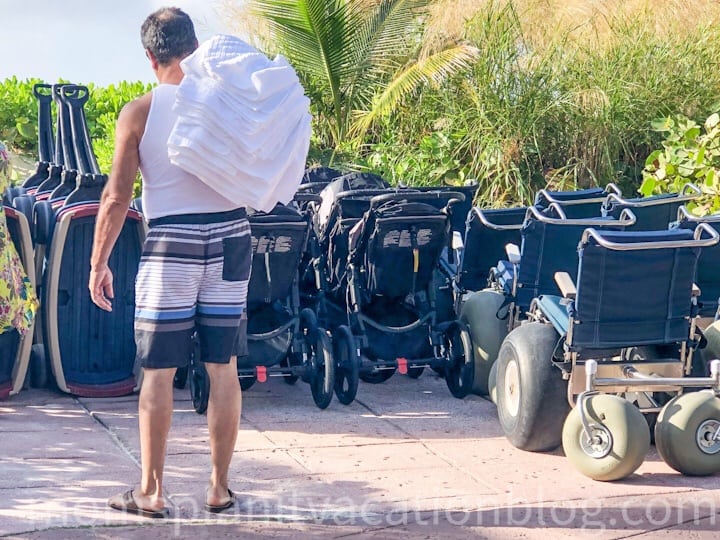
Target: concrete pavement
[{"x": 405, "y": 460}]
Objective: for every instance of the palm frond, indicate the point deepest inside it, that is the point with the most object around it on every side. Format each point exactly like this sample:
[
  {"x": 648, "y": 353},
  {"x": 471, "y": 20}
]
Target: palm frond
[{"x": 430, "y": 70}]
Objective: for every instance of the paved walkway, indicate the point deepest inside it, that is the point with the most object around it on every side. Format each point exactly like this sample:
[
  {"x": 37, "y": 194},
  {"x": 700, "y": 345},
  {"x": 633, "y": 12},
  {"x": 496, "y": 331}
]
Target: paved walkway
[{"x": 406, "y": 460}]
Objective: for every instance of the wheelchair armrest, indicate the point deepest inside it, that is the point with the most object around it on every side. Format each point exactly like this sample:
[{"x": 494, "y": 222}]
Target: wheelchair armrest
[
  {"x": 565, "y": 282},
  {"x": 457, "y": 241},
  {"x": 513, "y": 253}
]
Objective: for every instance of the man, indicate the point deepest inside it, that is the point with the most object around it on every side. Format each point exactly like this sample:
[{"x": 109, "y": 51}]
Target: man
[{"x": 193, "y": 274}]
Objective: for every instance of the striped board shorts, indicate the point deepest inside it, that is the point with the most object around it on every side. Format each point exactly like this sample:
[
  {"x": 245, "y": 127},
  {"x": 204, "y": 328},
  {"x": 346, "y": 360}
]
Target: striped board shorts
[{"x": 193, "y": 277}]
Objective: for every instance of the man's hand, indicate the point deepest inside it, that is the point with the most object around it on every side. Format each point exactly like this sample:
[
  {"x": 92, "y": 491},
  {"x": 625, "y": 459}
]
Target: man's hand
[{"x": 101, "y": 286}]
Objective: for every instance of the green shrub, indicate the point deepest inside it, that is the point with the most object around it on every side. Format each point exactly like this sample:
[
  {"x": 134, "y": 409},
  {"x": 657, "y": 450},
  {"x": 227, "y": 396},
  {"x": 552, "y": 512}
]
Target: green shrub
[{"x": 689, "y": 153}]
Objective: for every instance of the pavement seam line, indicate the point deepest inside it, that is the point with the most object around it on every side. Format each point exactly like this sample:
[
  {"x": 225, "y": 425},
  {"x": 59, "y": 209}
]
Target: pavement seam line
[{"x": 118, "y": 442}]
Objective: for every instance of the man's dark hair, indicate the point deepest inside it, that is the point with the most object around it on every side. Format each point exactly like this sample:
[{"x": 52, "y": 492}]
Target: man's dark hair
[{"x": 168, "y": 33}]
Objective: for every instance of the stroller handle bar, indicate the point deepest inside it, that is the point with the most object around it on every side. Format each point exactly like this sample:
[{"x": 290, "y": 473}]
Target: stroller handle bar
[
  {"x": 697, "y": 240},
  {"x": 627, "y": 218},
  {"x": 307, "y": 197},
  {"x": 495, "y": 226},
  {"x": 685, "y": 215},
  {"x": 688, "y": 192},
  {"x": 362, "y": 193},
  {"x": 610, "y": 188},
  {"x": 451, "y": 197}
]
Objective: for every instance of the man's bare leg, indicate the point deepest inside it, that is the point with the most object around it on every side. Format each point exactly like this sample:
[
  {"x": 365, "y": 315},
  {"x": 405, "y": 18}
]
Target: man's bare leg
[
  {"x": 223, "y": 413},
  {"x": 155, "y": 415}
]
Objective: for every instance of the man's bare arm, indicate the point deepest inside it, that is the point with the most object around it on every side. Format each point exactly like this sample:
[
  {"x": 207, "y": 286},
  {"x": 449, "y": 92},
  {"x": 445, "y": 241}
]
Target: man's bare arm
[{"x": 116, "y": 197}]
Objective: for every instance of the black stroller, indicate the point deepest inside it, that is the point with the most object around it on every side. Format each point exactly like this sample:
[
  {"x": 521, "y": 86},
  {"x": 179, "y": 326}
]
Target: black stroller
[
  {"x": 283, "y": 339},
  {"x": 379, "y": 250}
]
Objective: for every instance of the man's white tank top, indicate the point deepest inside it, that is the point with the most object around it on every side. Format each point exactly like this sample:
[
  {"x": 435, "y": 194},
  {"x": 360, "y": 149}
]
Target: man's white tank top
[{"x": 168, "y": 189}]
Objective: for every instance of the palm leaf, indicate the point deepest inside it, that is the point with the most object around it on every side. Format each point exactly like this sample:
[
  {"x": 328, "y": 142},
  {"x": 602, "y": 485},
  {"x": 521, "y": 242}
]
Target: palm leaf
[{"x": 430, "y": 70}]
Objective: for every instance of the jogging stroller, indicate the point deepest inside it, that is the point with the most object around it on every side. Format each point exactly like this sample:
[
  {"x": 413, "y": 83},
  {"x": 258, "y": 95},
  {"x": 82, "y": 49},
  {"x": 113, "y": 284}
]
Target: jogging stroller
[
  {"x": 283, "y": 340},
  {"x": 380, "y": 251}
]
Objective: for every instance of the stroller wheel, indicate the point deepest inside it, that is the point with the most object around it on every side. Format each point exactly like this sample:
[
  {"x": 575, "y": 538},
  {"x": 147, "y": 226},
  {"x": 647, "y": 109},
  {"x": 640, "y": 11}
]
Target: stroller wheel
[
  {"x": 287, "y": 362},
  {"x": 38, "y": 372},
  {"x": 460, "y": 367},
  {"x": 180, "y": 378},
  {"x": 686, "y": 434},
  {"x": 347, "y": 365},
  {"x": 618, "y": 441},
  {"x": 377, "y": 377},
  {"x": 415, "y": 372},
  {"x": 247, "y": 382},
  {"x": 199, "y": 386},
  {"x": 322, "y": 376},
  {"x": 309, "y": 330}
]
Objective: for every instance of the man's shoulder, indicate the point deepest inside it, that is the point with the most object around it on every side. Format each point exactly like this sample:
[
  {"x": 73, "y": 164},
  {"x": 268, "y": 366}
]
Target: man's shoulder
[
  {"x": 140, "y": 105},
  {"x": 135, "y": 112}
]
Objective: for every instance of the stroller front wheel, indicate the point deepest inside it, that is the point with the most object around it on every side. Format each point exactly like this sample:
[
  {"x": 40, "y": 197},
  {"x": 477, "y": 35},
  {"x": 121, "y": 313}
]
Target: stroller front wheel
[
  {"x": 347, "y": 365},
  {"x": 322, "y": 376},
  {"x": 199, "y": 386},
  {"x": 460, "y": 368}
]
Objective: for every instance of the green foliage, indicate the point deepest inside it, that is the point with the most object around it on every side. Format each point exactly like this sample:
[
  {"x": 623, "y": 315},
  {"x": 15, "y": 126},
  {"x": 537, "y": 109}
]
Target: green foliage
[
  {"x": 689, "y": 153},
  {"x": 18, "y": 114},
  {"x": 561, "y": 110},
  {"x": 358, "y": 59},
  {"x": 19, "y": 110}
]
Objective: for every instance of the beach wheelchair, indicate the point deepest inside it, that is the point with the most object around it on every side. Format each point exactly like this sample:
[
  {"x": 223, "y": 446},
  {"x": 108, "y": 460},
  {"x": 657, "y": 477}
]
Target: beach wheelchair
[
  {"x": 283, "y": 339},
  {"x": 653, "y": 213},
  {"x": 707, "y": 279},
  {"x": 549, "y": 241},
  {"x": 379, "y": 252},
  {"x": 621, "y": 335},
  {"x": 578, "y": 204}
]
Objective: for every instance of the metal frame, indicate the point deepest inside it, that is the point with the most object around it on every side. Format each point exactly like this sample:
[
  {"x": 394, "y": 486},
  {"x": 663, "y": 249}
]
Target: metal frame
[
  {"x": 627, "y": 218},
  {"x": 687, "y": 193},
  {"x": 610, "y": 188}
]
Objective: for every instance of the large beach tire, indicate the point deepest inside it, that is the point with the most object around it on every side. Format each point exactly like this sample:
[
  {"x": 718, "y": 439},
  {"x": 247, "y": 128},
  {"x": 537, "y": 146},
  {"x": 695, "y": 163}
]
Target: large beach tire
[
  {"x": 619, "y": 438},
  {"x": 711, "y": 350},
  {"x": 686, "y": 434},
  {"x": 531, "y": 394},
  {"x": 482, "y": 312},
  {"x": 492, "y": 383}
]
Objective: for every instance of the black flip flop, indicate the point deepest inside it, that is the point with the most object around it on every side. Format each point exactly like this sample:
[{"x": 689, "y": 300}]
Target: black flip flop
[
  {"x": 217, "y": 508},
  {"x": 130, "y": 506}
]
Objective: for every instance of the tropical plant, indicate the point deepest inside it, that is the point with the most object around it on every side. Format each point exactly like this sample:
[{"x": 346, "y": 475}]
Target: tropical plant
[
  {"x": 358, "y": 59},
  {"x": 689, "y": 153}
]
